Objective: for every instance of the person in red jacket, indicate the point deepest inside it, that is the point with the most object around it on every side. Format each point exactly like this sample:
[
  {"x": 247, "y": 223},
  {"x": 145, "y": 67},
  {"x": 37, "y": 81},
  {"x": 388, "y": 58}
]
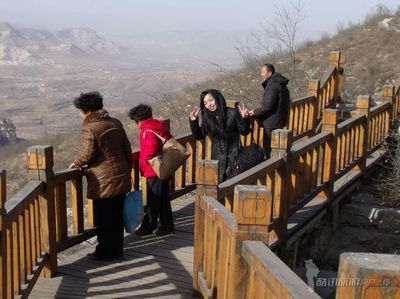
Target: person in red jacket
[{"x": 158, "y": 201}]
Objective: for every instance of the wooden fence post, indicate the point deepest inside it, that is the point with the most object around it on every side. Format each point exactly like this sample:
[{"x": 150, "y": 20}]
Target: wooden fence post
[
  {"x": 397, "y": 101},
  {"x": 3, "y": 188},
  {"x": 313, "y": 88},
  {"x": 368, "y": 275},
  {"x": 207, "y": 180},
  {"x": 40, "y": 163},
  {"x": 363, "y": 107},
  {"x": 389, "y": 96},
  {"x": 252, "y": 211},
  {"x": 281, "y": 143},
  {"x": 3, "y": 236},
  {"x": 330, "y": 120}
]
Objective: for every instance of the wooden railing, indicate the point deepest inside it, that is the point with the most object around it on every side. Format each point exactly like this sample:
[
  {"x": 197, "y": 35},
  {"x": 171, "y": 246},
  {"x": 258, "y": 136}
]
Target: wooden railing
[
  {"x": 225, "y": 265},
  {"x": 27, "y": 229},
  {"x": 303, "y": 116},
  {"x": 23, "y": 249},
  {"x": 305, "y": 112},
  {"x": 71, "y": 178},
  {"x": 366, "y": 275},
  {"x": 269, "y": 277}
]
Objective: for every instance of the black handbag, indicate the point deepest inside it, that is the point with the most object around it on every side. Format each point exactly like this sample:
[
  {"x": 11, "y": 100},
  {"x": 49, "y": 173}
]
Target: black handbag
[{"x": 247, "y": 157}]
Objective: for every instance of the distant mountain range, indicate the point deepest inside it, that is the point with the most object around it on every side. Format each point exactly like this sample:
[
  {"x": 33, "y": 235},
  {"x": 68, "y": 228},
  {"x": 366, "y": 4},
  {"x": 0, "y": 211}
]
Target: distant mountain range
[{"x": 33, "y": 47}]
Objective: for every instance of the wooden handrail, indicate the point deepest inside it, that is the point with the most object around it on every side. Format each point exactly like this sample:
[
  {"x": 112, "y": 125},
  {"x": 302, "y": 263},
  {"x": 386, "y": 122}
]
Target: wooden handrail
[
  {"x": 302, "y": 100},
  {"x": 23, "y": 239},
  {"x": 305, "y": 111},
  {"x": 350, "y": 123},
  {"x": 273, "y": 278},
  {"x": 379, "y": 108},
  {"x": 327, "y": 76},
  {"x": 22, "y": 199},
  {"x": 66, "y": 175},
  {"x": 303, "y": 147},
  {"x": 250, "y": 176}
]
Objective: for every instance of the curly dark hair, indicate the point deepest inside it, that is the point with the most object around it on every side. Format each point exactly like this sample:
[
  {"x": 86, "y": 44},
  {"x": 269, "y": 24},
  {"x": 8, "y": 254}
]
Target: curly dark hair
[
  {"x": 140, "y": 112},
  {"x": 89, "y": 101}
]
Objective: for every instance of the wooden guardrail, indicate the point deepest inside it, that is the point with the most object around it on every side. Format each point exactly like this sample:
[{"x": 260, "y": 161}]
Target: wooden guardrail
[
  {"x": 367, "y": 275},
  {"x": 27, "y": 229},
  {"x": 305, "y": 112},
  {"x": 225, "y": 266},
  {"x": 220, "y": 271},
  {"x": 295, "y": 175}
]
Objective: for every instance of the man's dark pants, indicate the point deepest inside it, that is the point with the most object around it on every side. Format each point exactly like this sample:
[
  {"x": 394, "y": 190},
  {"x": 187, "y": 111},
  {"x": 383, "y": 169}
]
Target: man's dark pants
[
  {"x": 158, "y": 205},
  {"x": 110, "y": 227},
  {"x": 267, "y": 142}
]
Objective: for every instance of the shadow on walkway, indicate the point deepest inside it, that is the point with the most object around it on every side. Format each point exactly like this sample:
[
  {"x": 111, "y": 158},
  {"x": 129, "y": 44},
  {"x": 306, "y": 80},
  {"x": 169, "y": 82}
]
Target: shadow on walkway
[{"x": 152, "y": 267}]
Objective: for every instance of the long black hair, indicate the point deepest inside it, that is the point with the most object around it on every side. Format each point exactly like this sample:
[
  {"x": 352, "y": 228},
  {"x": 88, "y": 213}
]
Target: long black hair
[{"x": 214, "y": 123}]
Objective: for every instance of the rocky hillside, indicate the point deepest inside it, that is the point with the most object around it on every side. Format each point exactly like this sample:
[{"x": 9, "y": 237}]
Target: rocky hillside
[{"x": 37, "y": 47}]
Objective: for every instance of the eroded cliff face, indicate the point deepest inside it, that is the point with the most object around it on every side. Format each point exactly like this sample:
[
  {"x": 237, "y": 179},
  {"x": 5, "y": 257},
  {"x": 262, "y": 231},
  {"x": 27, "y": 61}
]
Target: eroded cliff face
[{"x": 8, "y": 133}]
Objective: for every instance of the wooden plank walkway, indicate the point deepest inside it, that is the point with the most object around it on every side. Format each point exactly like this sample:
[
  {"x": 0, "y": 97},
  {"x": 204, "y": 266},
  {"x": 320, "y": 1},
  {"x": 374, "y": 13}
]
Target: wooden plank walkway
[{"x": 152, "y": 267}]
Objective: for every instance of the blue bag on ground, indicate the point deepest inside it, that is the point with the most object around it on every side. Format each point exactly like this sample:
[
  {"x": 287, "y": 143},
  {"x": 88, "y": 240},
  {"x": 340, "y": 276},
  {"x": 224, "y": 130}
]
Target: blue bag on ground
[{"x": 133, "y": 210}]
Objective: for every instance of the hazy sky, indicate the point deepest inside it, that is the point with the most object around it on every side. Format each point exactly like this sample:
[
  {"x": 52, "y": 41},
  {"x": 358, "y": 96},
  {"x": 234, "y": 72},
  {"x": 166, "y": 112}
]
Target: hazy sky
[{"x": 124, "y": 17}]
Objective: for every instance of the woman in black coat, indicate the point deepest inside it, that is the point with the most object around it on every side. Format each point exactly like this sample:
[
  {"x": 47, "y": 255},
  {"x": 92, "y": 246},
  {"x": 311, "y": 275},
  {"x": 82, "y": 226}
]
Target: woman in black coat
[{"x": 224, "y": 125}]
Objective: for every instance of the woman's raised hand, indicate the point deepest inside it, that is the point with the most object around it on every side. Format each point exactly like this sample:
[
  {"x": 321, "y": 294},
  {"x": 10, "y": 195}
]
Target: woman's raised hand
[
  {"x": 244, "y": 111},
  {"x": 194, "y": 114}
]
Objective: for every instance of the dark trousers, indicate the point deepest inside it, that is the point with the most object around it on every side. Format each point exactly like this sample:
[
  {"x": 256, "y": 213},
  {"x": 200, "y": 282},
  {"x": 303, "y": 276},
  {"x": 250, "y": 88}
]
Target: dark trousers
[
  {"x": 110, "y": 226},
  {"x": 267, "y": 142},
  {"x": 158, "y": 205}
]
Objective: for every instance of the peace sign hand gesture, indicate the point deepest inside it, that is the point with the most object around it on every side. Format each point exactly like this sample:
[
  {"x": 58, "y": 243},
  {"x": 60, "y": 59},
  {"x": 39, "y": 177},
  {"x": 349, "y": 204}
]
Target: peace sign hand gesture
[
  {"x": 194, "y": 114},
  {"x": 244, "y": 111}
]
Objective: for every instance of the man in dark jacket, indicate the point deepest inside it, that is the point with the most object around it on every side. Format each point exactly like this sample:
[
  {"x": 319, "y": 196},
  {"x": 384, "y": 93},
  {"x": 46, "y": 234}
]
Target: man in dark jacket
[
  {"x": 274, "y": 108},
  {"x": 106, "y": 150}
]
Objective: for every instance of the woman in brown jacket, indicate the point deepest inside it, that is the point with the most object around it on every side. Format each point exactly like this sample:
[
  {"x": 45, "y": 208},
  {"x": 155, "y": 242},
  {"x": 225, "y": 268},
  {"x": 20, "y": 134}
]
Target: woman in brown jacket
[{"x": 106, "y": 151}]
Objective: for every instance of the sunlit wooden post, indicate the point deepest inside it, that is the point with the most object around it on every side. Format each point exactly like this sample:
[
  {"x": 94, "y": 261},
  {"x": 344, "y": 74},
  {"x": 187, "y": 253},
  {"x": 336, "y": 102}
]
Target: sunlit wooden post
[
  {"x": 40, "y": 165},
  {"x": 363, "y": 108},
  {"x": 3, "y": 188},
  {"x": 368, "y": 275},
  {"x": 330, "y": 120},
  {"x": 192, "y": 162},
  {"x": 207, "y": 180},
  {"x": 252, "y": 211},
  {"x": 3, "y": 236},
  {"x": 389, "y": 96},
  {"x": 281, "y": 143},
  {"x": 397, "y": 101},
  {"x": 313, "y": 88}
]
